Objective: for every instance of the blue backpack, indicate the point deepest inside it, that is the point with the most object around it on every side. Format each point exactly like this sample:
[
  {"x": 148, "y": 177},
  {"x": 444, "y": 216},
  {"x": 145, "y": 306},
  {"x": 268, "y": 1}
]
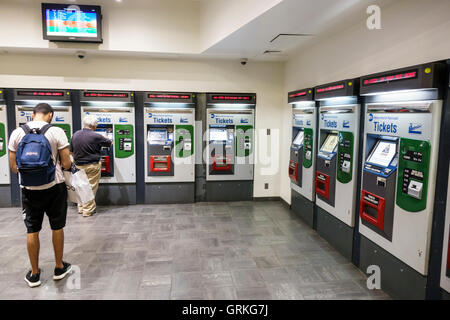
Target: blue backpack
[{"x": 34, "y": 158}]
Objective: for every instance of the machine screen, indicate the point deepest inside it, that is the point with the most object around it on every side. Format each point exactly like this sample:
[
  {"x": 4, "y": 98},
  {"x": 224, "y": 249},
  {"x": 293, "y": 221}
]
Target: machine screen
[
  {"x": 299, "y": 138},
  {"x": 157, "y": 136},
  {"x": 218, "y": 135},
  {"x": 383, "y": 153},
  {"x": 108, "y": 134},
  {"x": 330, "y": 143}
]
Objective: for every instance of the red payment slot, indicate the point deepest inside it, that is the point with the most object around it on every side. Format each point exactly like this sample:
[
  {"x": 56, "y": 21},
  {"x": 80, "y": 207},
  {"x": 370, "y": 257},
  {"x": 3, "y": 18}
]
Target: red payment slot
[
  {"x": 221, "y": 163},
  {"x": 293, "y": 170},
  {"x": 160, "y": 163},
  {"x": 106, "y": 164},
  {"x": 372, "y": 209},
  {"x": 323, "y": 184}
]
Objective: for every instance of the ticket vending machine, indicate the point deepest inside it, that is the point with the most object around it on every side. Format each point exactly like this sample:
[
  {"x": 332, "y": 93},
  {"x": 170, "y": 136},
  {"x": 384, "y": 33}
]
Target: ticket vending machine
[
  {"x": 401, "y": 143},
  {"x": 5, "y": 188},
  {"x": 229, "y": 146},
  {"x": 336, "y": 163},
  {"x": 169, "y": 129},
  {"x": 445, "y": 269},
  {"x": 302, "y": 162},
  {"x": 115, "y": 112},
  {"x": 60, "y": 100}
]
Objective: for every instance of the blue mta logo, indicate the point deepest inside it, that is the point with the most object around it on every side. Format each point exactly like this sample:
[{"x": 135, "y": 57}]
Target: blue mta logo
[
  {"x": 414, "y": 128},
  {"x": 322, "y": 116},
  {"x": 150, "y": 115},
  {"x": 183, "y": 120},
  {"x": 308, "y": 123},
  {"x": 384, "y": 127},
  {"x": 123, "y": 120},
  {"x": 346, "y": 124},
  {"x": 59, "y": 119},
  {"x": 212, "y": 116},
  {"x": 370, "y": 117},
  {"x": 244, "y": 120}
]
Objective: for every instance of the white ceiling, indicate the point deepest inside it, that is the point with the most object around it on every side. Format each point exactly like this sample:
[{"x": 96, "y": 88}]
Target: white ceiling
[{"x": 240, "y": 33}]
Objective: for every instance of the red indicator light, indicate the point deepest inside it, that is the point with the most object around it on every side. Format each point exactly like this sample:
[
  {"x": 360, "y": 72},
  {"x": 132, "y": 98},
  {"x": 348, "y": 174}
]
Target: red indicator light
[
  {"x": 389, "y": 78},
  {"x": 298, "y": 94},
  {"x": 169, "y": 96},
  {"x": 41, "y": 93},
  {"x": 330, "y": 88},
  {"x": 106, "y": 95}
]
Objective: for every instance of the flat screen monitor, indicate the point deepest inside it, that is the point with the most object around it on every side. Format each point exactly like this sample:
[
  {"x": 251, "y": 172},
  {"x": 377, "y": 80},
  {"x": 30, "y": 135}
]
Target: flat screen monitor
[
  {"x": 218, "y": 135},
  {"x": 75, "y": 23},
  {"x": 157, "y": 135},
  {"x": 299, "y": 138},
  {"x": 330, "y": 143},
  {"x": 383, "y": 153}
]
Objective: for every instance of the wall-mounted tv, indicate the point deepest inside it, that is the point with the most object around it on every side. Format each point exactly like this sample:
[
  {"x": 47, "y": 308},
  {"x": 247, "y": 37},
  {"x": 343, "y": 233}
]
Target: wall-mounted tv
[{"x": 73, "y": 23}]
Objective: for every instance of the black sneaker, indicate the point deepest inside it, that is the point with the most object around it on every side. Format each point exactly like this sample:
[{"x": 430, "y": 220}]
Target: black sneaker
[
  {"x": 61, "y": 273},
  {"x": 33, "y": 280}
]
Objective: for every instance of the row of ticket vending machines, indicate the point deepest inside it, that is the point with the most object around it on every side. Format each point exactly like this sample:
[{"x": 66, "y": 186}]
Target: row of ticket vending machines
[
  {"x": 364, "y": 172},
  {"x": 158, "y": 138}
]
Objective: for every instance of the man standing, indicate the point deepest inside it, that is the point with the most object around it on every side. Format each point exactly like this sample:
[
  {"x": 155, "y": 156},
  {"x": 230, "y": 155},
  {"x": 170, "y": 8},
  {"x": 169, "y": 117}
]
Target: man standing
[
  {"x": 37, "y": 151},
  {"x": 85, "y": 147}
]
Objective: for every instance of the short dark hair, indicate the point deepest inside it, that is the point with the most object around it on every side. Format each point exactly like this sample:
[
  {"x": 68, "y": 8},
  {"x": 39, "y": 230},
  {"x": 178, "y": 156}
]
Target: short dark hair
[{"x": 43, "y": 108}]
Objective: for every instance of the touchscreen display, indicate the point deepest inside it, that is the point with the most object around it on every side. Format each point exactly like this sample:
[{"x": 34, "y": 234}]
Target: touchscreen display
[
  {"x": 218, "y": 135},
  {"x": 299, "y": 138},
  {"x": 157, "y": 135},
  {"x": 330, "y": 143},
  {"x": 383, "y": 153}
]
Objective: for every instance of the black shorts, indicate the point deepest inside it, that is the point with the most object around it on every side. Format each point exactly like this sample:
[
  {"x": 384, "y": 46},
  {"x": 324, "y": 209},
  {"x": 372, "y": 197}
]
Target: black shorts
[{"x": 52, "y": 201}]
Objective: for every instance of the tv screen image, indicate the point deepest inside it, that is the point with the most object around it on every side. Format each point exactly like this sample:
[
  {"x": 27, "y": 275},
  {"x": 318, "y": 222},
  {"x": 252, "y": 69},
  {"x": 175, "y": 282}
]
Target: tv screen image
[{"x": 71, "y": 22}]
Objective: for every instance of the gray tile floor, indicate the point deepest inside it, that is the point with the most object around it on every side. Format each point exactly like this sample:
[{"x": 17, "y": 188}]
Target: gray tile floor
[{"x": 238, "y": 250}]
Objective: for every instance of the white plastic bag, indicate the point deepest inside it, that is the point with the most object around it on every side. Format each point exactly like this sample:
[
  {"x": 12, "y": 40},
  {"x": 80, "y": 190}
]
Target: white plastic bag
[{"x": 78, "y": 187}]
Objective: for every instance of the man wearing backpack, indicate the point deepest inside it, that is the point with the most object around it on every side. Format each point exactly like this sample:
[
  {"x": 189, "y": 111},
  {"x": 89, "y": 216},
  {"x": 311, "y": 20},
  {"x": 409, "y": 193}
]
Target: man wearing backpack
[{"x": 37, "y": 151}]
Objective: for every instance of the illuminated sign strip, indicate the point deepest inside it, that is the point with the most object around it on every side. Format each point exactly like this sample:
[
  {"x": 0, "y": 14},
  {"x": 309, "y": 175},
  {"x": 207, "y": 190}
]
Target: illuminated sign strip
[
  {"x": 233, "y": 98},
  {"x": 330, "y": 88},
  {"x": 41, "y": 93},
  {"x": 389, "y": 78},
  {"x": 298, "y": 94},
  {"x": 169, "y": 96},
  {"x": 106, "y": 94}
]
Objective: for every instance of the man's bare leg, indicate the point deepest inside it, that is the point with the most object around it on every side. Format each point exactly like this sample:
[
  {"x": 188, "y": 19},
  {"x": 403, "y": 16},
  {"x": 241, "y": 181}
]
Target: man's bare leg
[
  {"x": 33, "y": 246},
  {"x": 58, "y": 246}
]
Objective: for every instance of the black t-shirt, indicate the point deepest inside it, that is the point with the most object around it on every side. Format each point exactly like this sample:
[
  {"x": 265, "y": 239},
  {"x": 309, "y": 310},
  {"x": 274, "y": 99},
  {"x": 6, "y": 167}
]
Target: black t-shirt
[{"x": 86, "y": 145}]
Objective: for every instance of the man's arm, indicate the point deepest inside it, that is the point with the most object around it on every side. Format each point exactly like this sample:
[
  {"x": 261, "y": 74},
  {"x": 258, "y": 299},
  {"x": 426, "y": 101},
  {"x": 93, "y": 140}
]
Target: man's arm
[
  {"x": 12, "y": 162},
  {"x": 64, "y": 157}
]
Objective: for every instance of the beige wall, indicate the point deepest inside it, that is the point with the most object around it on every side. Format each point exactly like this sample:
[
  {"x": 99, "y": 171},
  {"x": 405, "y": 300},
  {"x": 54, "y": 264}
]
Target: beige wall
[
  {"x": 413, "y": 32},
  {"x": 266, "y": 79}
]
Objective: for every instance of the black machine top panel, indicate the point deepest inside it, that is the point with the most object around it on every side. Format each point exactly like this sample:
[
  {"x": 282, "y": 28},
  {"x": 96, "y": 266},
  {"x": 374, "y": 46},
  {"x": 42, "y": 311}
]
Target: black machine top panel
[
  {"x": 41, "y": 94},
  {"x": 301, "y": 95},
  {"x": 170, "y": 97},
  {"x": 344, "y": 88},
  {"x": 101, "y": 95},
  {"x": 231, "y": 98},
  {"x": 425, "y": 76}
]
